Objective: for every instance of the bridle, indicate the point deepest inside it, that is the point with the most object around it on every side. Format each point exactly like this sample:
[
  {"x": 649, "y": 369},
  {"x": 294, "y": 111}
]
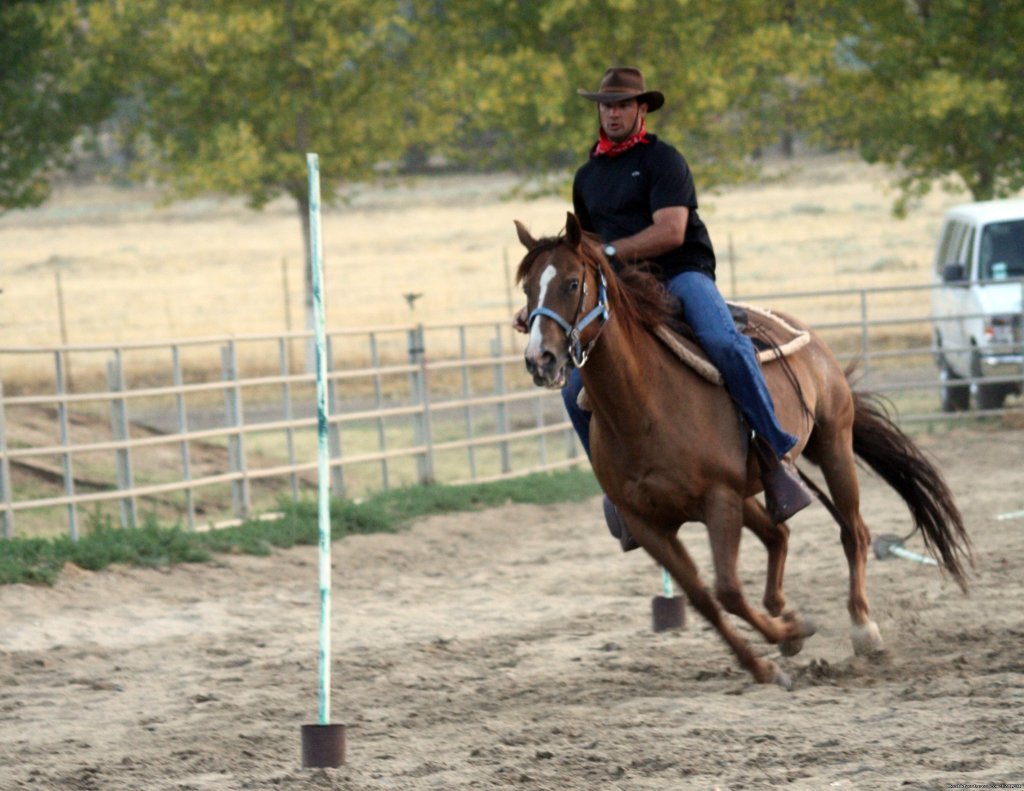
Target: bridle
[{"x": 573, "y": 332}]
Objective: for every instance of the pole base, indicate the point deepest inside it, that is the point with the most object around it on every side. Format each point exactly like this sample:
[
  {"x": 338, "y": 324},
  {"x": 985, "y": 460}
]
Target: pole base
[
  {"x": 667, "y": 612},
  {"x": 323, "y": 745},
  {"x": 883, "y": 544}
]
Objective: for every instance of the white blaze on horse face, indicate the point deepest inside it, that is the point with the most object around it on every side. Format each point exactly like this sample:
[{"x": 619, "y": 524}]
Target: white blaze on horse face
[{"x": 533, "y": 348}]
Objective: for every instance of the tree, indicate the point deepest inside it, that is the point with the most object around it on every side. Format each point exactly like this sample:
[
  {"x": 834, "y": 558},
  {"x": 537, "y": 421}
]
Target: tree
[
  {"x": 233, "y": 94},
  {"x": 49, "y": 90},
  {"x": 737, "y": 76},
  {"x": 936, "y": 88}
]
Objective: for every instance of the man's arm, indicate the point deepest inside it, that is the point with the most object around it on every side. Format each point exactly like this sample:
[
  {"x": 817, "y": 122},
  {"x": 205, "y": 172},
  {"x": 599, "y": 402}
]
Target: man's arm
[{"x": 666, "y": 233}]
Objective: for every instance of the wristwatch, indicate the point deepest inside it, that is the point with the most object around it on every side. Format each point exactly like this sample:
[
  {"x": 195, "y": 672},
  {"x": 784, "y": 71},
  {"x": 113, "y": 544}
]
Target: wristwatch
[{"x": 610, "y": 251}]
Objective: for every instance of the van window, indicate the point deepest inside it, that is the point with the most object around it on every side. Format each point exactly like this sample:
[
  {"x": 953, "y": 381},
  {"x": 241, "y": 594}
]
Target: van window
[
  {"x": 940, "y": 257},
  {"x": 956, "y": 238},
  {"x": 1002, "y": 250},
  {"x": 968, "y": 256}
]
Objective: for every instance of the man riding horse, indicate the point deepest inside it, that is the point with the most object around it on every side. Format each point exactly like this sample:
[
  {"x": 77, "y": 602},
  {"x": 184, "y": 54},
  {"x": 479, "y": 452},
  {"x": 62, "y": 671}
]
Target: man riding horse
[{"x": 636, "y": 193}]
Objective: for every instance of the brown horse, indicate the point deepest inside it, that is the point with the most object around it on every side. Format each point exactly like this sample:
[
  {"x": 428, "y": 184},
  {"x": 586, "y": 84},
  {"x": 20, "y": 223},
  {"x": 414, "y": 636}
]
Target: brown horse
[{"x": 668, "y": 447}]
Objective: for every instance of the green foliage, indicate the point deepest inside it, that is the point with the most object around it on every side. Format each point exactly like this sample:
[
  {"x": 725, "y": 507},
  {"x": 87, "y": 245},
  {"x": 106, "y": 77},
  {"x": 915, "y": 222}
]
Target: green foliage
[
  {"x": 228, "y": 95},
  {"x": 32, "y": 560},
  {"x": 49, "y": 90},
  {"x": 233, "y": 94},
  {"x": 736, "y": 76},
  {"x": 935, "y": 88},
  {"x": 151, "y": 545}
]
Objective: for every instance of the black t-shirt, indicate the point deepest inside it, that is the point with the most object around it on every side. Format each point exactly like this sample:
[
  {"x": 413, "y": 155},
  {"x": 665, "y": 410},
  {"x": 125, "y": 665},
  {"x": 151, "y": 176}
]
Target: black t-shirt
[{"x": 616, "y": 197}]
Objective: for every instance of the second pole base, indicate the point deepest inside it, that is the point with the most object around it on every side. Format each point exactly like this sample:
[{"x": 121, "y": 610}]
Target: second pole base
[{"x": 667, "y": 613}]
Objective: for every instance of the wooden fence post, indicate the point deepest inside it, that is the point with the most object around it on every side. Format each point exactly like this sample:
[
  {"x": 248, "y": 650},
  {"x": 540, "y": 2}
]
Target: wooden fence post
[
  {"x": 63, "y": 323},
  {"x": 286, "y": 294}
]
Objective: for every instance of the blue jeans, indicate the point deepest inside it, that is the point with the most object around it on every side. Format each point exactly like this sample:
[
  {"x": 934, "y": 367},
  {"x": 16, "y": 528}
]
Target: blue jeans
[{"x": 732, "y": 353}]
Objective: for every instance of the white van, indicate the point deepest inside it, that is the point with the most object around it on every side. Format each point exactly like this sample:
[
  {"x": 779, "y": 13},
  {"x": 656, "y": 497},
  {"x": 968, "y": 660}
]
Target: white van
[{"x": 976, "y": 305}]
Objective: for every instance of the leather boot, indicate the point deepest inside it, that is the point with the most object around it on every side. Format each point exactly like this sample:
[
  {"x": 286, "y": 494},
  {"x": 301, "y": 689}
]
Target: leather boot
[
  {"x": 617, "y": 526},
  {"x": 784, "y": 492}
]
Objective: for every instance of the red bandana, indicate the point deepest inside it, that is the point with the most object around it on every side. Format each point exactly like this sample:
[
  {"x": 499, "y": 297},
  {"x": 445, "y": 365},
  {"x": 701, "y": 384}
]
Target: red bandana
[{"x": 605, "y": 147}]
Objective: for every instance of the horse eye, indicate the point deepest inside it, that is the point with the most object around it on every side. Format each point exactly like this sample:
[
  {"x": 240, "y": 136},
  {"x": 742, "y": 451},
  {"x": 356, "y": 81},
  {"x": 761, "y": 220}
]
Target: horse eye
[{"x": 574, "y": 284}]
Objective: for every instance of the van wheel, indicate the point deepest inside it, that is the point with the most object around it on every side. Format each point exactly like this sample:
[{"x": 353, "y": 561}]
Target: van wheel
[
  {"x": 986, "y": 396},
  {"x": 955, "y": 397}
]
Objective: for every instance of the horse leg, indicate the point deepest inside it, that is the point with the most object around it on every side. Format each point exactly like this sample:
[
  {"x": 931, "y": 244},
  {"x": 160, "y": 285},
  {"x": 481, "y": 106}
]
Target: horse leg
[
  {"x": 724, "y": 526},
  {"x": 835, "y": 457},
  {"x": 667, "y": 550},
  {"x": 775, "y": 538}
]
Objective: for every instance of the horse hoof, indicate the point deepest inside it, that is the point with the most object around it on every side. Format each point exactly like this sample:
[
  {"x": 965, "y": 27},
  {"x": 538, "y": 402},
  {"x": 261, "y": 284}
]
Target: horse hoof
[
  {"x": 791, "y": 647},
  {"x": 783, "y": 680},
  {"x": 805, "y": 626},
  {"x": 768, "y": 673},
  {"x": 867, "y": 640}
]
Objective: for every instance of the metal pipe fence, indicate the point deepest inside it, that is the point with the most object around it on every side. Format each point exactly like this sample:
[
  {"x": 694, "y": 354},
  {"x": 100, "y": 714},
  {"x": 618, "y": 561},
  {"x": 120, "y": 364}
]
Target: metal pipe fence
[
  {"x": 111, "y": 445},
  {"x": 166, "y": 432}
]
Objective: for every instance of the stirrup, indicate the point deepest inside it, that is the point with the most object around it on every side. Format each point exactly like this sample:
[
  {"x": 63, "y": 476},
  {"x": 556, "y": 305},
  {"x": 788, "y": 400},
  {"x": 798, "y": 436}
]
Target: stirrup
[
  {"x": 617, "y": 526},
  {"x": 784, "y": 492}
]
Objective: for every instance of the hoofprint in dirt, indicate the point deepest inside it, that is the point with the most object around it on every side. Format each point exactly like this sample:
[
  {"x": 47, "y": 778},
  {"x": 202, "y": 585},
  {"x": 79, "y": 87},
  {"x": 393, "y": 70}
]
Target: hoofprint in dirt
[{"x": 513, "y": 648}]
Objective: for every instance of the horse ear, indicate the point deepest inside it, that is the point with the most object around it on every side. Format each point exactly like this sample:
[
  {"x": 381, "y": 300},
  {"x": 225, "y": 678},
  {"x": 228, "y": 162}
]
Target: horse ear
[
  {"x": 524, "y": 236},
  {"x": 573, "y": 231}
]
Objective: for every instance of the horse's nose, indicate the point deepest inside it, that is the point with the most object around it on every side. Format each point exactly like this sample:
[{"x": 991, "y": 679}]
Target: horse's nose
[{"x": 539, "y": 363}]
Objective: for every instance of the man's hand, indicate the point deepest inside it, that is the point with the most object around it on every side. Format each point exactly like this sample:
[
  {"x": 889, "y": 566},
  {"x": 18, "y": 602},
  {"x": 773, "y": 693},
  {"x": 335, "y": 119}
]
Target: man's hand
[{"x": 519, "y": 321}]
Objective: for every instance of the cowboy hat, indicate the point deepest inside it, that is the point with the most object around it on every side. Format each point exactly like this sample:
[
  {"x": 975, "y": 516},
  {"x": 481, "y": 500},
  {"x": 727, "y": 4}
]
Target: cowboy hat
[{"x": 624, "y": 82}]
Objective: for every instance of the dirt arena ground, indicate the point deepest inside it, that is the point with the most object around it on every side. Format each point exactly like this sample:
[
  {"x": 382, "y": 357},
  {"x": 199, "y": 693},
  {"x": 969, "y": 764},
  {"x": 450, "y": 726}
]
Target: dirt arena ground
[{"x": 513, "y": 648}]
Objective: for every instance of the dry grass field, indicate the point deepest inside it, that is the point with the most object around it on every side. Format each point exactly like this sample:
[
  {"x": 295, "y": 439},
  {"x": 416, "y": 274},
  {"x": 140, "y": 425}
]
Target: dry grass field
[{"x": 131, "y": 270}]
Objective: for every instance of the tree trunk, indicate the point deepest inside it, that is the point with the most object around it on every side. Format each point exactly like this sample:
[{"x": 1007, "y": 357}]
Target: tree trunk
[{"x": 983, "y": 182}]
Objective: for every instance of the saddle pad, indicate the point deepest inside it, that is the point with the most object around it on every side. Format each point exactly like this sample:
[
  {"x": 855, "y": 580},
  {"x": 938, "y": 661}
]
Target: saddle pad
[
  {"x": 753, "y": 322},
  {"x": 761, "y": 322}
]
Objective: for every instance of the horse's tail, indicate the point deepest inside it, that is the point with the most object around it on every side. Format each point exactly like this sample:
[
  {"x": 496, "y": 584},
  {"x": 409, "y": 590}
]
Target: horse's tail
[{"x": 894, "y": 456}]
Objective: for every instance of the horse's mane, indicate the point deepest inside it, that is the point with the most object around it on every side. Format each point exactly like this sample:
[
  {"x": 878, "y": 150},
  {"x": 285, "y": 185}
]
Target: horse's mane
[{"x": 638, "y": 297}]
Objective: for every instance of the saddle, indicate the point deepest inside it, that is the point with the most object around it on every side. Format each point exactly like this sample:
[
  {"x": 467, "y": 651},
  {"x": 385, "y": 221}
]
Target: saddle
[{"x": 773, "y": 337}]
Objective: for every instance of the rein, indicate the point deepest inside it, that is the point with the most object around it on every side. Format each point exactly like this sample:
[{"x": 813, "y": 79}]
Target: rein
[{"x": 577, "y": 351}]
